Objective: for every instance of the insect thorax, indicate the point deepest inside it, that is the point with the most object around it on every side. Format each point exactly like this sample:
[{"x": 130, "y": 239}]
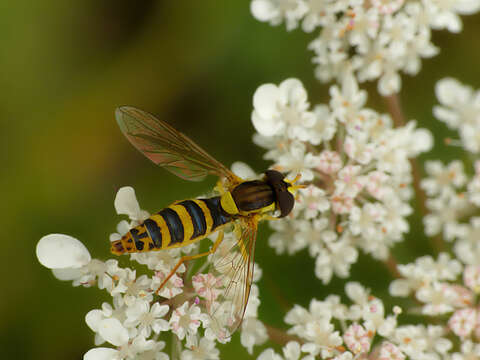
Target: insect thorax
[{"x": 253, "y": 196}]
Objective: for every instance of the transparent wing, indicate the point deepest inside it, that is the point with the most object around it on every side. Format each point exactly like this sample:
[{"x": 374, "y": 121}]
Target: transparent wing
[
  {"x": 234, "y": 270},
  {"x": 168, "y": 147}
]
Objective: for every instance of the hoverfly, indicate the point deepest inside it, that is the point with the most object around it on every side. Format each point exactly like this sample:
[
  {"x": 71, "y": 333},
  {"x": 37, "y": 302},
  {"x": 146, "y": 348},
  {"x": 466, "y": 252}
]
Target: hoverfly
[{"x": 242, "y": 203}]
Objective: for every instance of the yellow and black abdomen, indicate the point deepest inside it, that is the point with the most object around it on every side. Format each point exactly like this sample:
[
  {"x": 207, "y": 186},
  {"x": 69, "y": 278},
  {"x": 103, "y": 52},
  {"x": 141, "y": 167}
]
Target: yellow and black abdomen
[{"x": 178, "y": 225}]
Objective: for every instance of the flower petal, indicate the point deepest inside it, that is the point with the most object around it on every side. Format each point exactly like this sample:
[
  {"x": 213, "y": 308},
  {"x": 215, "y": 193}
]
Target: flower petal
[
  {"x": 67, "y": 274},
  {"x": 58, "y": 251},
  {"x": 93, "y": 319},
  {"x": 265, "y": 100},
  {"x": 100, "y": 354},
  {"x": 263, "y": 10},
  {"x": 126, "y": 202},
  {"x": 243, "y": 170},
  {"x": 113, "y": 331}
]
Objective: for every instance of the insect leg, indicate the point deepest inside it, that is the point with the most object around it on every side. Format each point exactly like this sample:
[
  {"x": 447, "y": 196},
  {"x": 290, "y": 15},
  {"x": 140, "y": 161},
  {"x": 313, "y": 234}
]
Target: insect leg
[
  {"x": 269, "y": 217},
  {"x": 192, "y": 257}
]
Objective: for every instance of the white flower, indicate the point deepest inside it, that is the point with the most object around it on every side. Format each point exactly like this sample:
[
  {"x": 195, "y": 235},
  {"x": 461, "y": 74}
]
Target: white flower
[
  {"x": 467, "y": 247},
  {"x": 153, "y": 353},
  {"x": 411, "y": 340},
  {"x": 471, "y": 278},
  {"x": 283, "y": 110},
  {"x": 357, "y": 339},
  {"x": 368, "y": 221},
  {"x": 291, "y": 351},
  {"x": 296, "y": 160},
  {"x": 274, "y": 11},
  {"x": 163, "y": 261},
  {"x": 463, "y": 322},
  {"x": 132, "y": 287},
  {"x": 443, "y": 14},
  {"x": 205, "y": 350},
  {"x": 348, "y": 101},
  {"x": 325, "y": 125},
  {"x": 128, "y": 350},
  {"x": 253, "y": 333},
  {"x": 389, "y": 351},
  {"x": 186, "y": 320},
  {"x": 329, "y": 162},
  {"x": 387, "y": 6},
  {"x": 438, "y": 298},
  {"x": 313, "y": 201},
  {"x": 470, "y": 350},
  {"x": 443, "y": 179},
  {"x": 359, "y": 149},
  {"x": 349, "y": 182},
  {"x": 315, "y": 326},
  {"x": 460, "y": 109},
  {"x": 207, "y": 286},
  {"x": 147, "y": 318},
  {"x": 474, "y": 186},
  {"x": 338, "y": 259},
  {"x": 282, "y": 238},
  {"x": 269, "y": 354}
]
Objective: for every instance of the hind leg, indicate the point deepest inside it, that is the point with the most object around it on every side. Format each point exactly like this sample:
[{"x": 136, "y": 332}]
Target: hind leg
[{"x": 191, "y": 257}]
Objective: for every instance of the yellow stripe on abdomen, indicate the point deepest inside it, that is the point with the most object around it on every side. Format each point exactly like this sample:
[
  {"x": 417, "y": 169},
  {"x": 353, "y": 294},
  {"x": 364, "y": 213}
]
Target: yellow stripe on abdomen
[{"x": 186, "y": 221}]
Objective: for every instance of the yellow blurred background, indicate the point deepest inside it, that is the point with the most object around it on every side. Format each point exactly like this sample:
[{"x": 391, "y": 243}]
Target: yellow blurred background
[{"x": 64, "y": 68}]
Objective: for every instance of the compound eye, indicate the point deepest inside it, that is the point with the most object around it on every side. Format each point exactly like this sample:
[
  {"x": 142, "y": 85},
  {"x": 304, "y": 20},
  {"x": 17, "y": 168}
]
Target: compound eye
[{"x": 285, "y": 202}]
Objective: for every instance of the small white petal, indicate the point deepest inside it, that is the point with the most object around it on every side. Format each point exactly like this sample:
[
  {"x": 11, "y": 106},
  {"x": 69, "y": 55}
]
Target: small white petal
[
  {"x": 100, "y": 354},
  {"x": 113, "y": 331},
  {"x": 114, "y": 237},
  {"x": 93, "y": 319},
  {"x": 293, "y": 91},
  {"x": 243, "y": 170},
  {"x": 423, "y": 140},
  {"x": 262, "y": 10},
  {"x": 265, "y": 100},
  {"x": 67, "y": 274},
  {"x": 126, "y": 202},
  {"x": 58, "y": 251},
  {"x": 159, "y": 310}
]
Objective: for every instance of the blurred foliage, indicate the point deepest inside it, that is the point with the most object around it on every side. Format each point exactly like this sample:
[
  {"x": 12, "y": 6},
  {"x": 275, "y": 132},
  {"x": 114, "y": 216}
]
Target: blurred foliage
[{"x": 65, "y": 66}]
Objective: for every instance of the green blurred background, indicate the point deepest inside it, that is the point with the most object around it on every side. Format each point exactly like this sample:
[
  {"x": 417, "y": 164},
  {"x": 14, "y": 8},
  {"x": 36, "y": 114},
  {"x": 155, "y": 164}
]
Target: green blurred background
[{"x": 64, "y": 68}]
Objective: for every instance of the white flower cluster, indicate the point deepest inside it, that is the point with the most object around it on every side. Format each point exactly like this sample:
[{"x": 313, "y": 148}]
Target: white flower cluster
[
  {"x": 331, "y": 330},
  {"x": 377, "y": 39},
  {"x": 446, "y": 287},
  {"x": 137, "y": 320},
  {"x": 460, "y": 110},
  {"x": 453, "y": 195},
  {"x": 356, "y": 165}
]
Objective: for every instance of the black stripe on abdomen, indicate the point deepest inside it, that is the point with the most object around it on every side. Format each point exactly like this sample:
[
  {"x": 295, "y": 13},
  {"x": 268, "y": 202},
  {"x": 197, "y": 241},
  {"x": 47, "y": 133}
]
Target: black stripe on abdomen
[
  {"x": 174, "y": 224},
  {"x": 197, "y": 216},
  {"x": 155, "y": 232},
  {"x": 219, "y": 216}
]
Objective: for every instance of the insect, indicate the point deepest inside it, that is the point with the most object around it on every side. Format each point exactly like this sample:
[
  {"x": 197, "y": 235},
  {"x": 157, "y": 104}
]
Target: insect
[{"x": 241, "y": 203}]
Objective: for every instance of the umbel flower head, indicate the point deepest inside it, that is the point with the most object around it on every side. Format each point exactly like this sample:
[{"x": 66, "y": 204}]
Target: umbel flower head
[
  {"x": 377, "y": 39},
  {"x": 356, "y": 166}
]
